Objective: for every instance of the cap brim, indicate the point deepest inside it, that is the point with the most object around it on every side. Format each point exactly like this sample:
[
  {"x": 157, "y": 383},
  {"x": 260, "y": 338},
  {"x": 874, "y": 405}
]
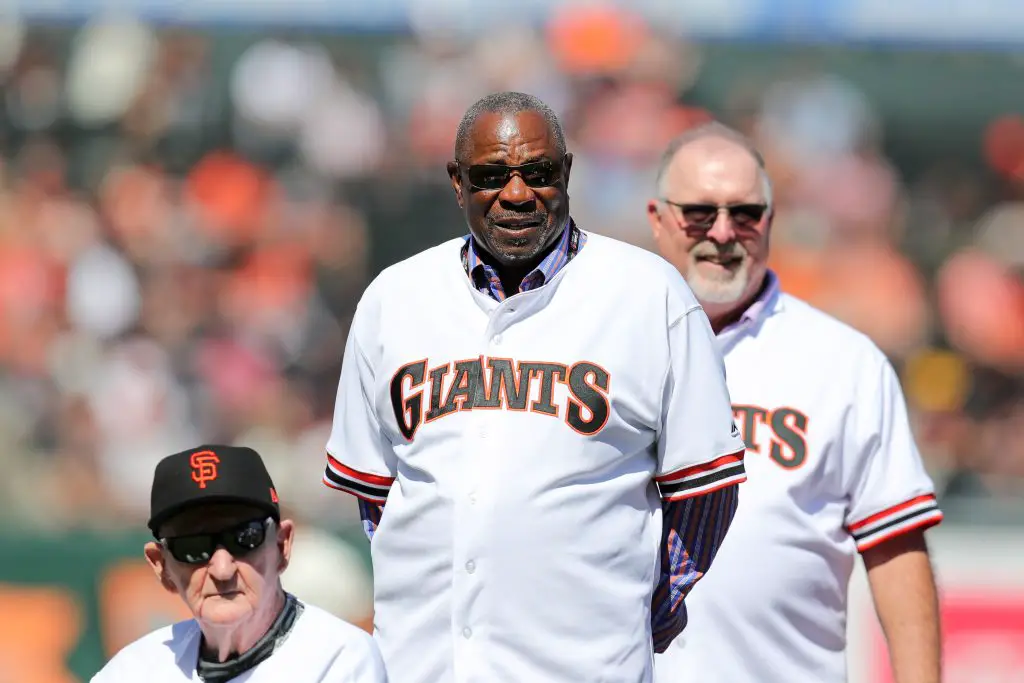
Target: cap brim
[{"x": 156, "y": 521}]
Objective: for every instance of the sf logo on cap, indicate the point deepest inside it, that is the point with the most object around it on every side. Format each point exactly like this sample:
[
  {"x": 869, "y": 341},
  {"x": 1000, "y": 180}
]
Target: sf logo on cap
[{"x": 204, "y": 467}]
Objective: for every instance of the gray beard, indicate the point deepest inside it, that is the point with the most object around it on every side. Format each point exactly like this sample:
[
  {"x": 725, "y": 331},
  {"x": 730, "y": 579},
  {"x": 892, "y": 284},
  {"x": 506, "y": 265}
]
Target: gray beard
[{"x": 725, "y": 291}]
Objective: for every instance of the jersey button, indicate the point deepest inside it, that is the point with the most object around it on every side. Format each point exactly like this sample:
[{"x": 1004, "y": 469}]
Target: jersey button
[
  {"x": 467, "y": 633},
  {"x": 497, "y": 340},
  {"x": 470, "y": 567},
  {"x": 472, "y": 499}
]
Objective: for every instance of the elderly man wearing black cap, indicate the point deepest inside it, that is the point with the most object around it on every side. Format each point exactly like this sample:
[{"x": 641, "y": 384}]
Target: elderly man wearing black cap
[{"x": 221, "y": 545}]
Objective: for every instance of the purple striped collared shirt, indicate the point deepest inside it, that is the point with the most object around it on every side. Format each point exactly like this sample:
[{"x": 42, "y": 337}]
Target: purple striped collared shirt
[{"x": 485, "y": 278}]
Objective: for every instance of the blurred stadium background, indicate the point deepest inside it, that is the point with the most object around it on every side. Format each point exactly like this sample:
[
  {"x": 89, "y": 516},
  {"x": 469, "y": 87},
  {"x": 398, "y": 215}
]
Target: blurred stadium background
[{"x": 193, "y": 195}]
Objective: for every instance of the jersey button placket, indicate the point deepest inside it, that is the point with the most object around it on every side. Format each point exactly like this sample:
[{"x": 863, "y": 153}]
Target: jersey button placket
[
  {"x": 470, "y": 530},
  {"x": 471, "y": 510}
]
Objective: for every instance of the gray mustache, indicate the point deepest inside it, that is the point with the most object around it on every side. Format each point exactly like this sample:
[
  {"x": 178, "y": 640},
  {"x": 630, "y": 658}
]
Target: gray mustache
[
  {"x": 733, "y": 250},
  {"x": 539, "y": 217}
]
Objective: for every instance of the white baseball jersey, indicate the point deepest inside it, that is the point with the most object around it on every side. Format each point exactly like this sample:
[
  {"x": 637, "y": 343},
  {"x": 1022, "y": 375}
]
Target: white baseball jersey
[
  {"x": 833, "y": 469},
  {"x": 516, "y": 444},
  {"x": 319, "y": 649}
]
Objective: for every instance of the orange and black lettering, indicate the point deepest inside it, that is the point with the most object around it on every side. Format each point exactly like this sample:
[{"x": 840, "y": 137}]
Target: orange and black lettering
[
  {"x": 750, "y": 417},
  {"x": 408, "y": 409},
  {"x": 204, "y": 467},
  {"x": 789, "y": 446},
  {"x": 437, "y": 376},
  {"x": 588, "y": 384},
  {"x": 466, "y": 386},
  {"x": 502, "y": 384},
  {"x": 549, "y": 373},
  {"x": 507, "y": 388}
]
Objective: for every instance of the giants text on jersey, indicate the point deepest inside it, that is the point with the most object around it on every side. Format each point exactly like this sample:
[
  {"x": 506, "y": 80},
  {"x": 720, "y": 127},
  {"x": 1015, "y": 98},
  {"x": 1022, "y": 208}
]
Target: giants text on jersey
[{"x": 519, "y": 446}]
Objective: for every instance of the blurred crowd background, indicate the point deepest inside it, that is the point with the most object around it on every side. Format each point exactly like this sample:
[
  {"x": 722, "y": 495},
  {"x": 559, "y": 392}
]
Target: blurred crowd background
[{"x": 189, "y": 215}]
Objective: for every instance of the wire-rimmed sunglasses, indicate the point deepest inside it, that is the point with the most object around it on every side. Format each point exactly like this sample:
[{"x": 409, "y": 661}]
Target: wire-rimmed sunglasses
[
  {"x": 703, "y": 216},
  {"x": 542, "y": 173},
  {"x": 238, "y": 540}
]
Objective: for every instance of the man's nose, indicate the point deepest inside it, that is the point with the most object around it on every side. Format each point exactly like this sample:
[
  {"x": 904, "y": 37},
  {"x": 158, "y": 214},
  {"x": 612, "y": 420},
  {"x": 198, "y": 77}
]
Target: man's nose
[
  {"x": 222, "y": 566},
  {"x": 722, "y": 230},
  {"x": 516, "y": 192}
]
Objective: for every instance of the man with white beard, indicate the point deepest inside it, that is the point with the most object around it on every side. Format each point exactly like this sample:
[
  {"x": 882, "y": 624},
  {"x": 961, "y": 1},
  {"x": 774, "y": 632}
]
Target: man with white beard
[{"x": 833, "y": 468}]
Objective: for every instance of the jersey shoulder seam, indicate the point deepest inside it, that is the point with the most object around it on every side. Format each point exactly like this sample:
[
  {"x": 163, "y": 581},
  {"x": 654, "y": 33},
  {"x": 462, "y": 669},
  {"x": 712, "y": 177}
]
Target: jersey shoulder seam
[{"x": 681, "y": 316}]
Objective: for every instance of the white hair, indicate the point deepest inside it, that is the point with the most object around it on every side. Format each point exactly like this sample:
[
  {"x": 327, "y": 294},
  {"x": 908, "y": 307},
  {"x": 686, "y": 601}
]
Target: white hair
[
  {"x": 714, "y": 129},
  {"x": 766, "y": 186}
]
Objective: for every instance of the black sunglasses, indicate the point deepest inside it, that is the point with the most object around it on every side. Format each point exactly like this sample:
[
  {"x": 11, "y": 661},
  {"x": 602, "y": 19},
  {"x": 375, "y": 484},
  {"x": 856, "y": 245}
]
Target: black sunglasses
[
  {"x": 703, "y": 216},
  {"x": 542, "y": 173},
  {"x": 199, "y": 548}
]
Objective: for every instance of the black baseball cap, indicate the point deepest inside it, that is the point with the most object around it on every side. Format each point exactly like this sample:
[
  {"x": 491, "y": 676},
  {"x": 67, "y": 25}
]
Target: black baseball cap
[{"x": 210, "y": 474}]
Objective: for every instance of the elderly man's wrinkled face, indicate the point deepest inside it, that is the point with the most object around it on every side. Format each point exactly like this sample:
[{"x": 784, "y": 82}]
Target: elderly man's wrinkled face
[
  {"x": 712, "y": 221},
  {"x": 232, "y": 583},
  {"x": 512, "y": 186}
]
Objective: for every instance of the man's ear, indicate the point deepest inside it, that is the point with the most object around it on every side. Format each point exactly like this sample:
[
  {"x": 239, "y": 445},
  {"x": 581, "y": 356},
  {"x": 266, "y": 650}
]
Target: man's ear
[
  {"x": 155, "y": 559},
  {"x": 285, "y": 536},
  {"x": 456, "y": 177},
  {"x": 654, "y": 217},
  {"x": 566, "y": 167}
]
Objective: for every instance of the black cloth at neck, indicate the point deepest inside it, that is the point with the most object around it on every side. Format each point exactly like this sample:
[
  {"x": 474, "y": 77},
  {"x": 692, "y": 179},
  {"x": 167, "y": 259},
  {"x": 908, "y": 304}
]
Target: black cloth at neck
[{"x": 221, "y": 672}]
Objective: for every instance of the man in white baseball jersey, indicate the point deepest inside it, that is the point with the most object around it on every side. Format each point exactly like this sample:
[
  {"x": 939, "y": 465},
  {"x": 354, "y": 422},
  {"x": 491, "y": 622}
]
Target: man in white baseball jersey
[
  {"x": 527, "y": 400},
  {"x": 221, "y": 545},
  {"x": 833, "y": 466}
]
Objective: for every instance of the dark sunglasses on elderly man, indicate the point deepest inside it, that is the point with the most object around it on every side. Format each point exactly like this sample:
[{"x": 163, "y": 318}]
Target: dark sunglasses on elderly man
[
  {"x": 542, "y": 173},
  {"x": 238, "y": 540},
  {"x": 703, "y": 216}
]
